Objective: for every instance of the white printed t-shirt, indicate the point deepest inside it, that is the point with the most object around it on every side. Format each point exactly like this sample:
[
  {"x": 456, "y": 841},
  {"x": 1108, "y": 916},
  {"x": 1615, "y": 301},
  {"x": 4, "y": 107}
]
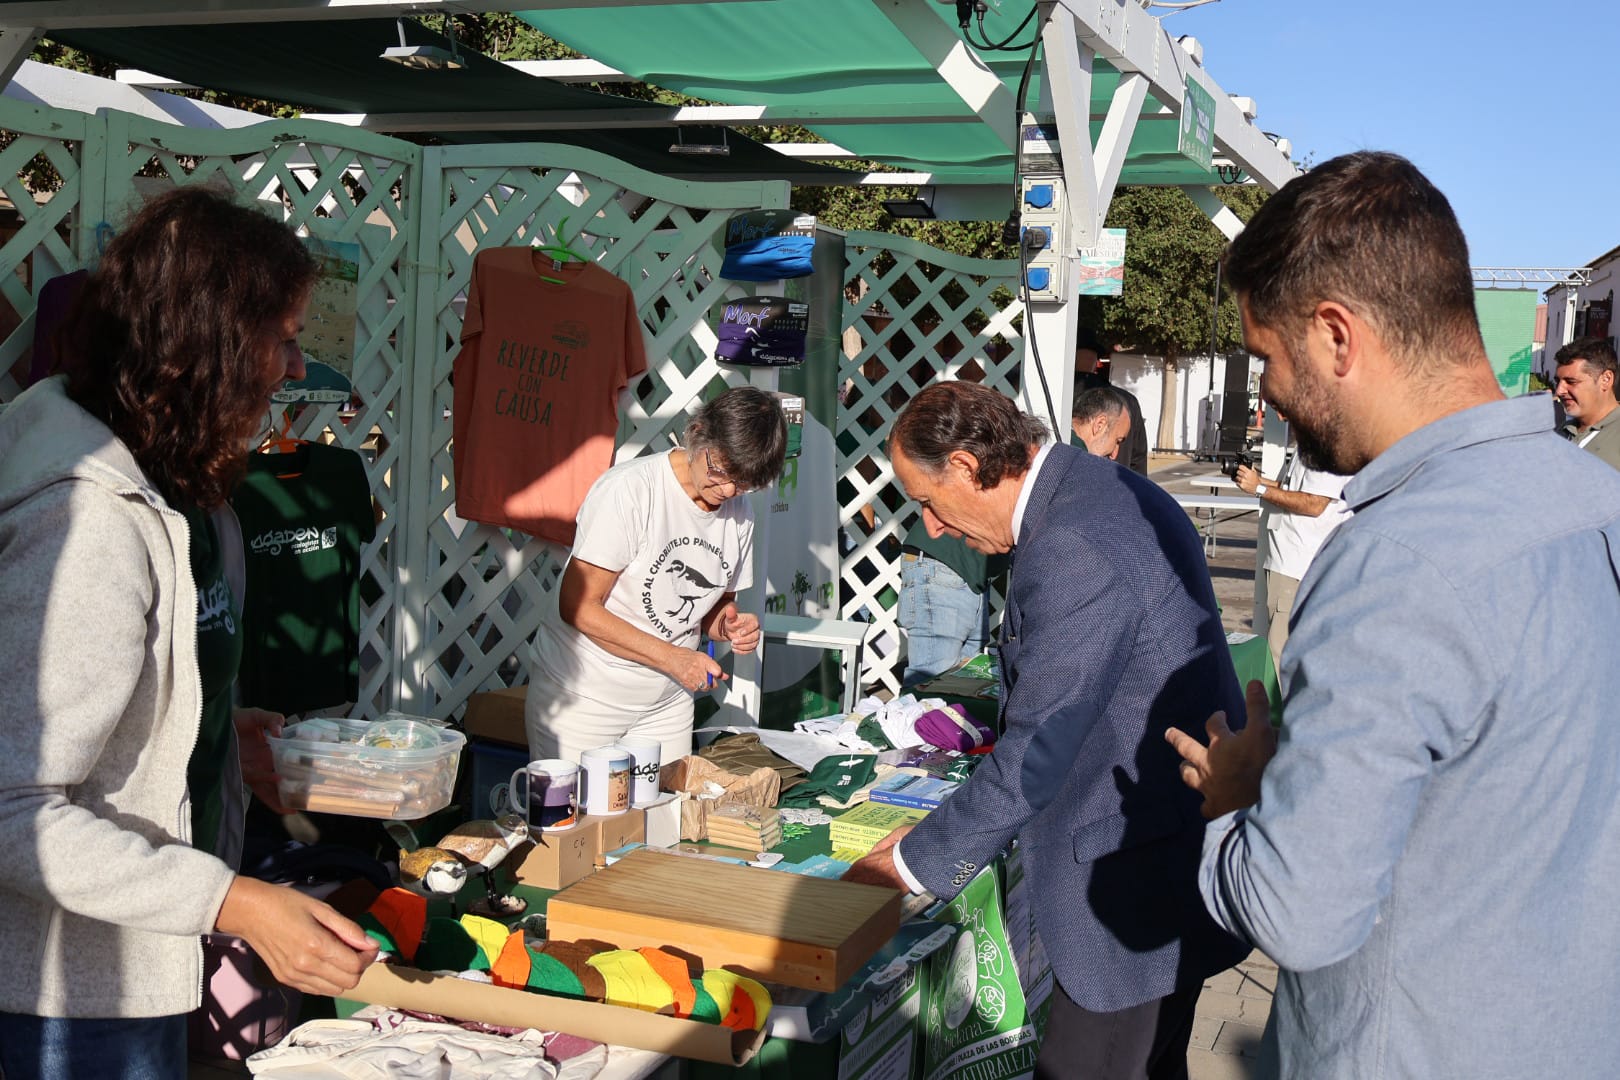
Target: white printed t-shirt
[
  {"x": 1294, "y": 539},
  {"x": 674, "y": 561}
]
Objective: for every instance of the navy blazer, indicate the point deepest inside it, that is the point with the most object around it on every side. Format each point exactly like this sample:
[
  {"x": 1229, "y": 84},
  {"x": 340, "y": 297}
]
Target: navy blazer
[{"x": 1111, "y": 635}]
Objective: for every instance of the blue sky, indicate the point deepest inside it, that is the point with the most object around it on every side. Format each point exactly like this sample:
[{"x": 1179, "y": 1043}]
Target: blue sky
[{"x": 1506, "y": 106}]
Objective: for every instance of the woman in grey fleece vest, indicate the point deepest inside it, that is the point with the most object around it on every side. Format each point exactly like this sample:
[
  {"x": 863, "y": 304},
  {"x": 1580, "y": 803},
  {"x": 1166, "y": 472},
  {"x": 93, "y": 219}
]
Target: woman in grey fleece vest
[{"x": 170, "y": 355}]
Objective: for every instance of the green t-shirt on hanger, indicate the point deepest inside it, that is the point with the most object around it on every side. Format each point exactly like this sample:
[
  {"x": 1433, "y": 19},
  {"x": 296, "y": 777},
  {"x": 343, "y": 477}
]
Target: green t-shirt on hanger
[{"x": 304, "y": 515}]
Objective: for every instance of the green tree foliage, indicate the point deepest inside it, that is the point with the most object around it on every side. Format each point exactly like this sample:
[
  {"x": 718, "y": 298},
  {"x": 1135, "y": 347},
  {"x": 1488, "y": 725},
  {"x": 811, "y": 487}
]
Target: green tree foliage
[{"x": 1171, "y": 250}]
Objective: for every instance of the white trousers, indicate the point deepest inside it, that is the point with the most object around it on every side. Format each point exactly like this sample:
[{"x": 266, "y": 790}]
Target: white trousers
[{"x": 561, "y": 724}]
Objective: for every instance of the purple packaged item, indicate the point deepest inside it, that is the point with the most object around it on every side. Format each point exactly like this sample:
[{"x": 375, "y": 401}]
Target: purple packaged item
[{"x": 951, "y": 728}]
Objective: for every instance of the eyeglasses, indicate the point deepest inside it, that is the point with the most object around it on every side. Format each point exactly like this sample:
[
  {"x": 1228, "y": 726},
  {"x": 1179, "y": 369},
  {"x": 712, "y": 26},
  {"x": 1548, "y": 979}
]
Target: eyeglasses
[{"x": 718, "y": 476}]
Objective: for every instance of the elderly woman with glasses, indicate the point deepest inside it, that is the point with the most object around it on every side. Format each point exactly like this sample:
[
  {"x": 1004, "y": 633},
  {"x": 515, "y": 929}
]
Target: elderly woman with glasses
[{"x": 662, "y": 549}]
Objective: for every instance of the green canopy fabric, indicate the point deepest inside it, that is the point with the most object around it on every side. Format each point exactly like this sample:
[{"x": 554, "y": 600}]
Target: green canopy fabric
[{"x": 843, "y": 54}]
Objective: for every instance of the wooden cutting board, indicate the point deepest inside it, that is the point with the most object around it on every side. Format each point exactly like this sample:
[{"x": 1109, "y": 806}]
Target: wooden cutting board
[{"x": 801, "y": 931}]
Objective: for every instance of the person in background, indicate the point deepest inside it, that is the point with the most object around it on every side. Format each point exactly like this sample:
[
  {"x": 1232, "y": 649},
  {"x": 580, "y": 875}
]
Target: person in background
[
  {"x": 665, "y": 543},
  {"x": 944, "y": 601},
  {"x": 1435, "y": 844},
  {"x": 120, "y": 566},
  {"x": 1299, "y": 511},
  {"x": 1110, "y": 636},
  {"x": 1585, "y": 385},
  {"x": 1089, "y": 351},
  {"x": 1100, "y": 421}
]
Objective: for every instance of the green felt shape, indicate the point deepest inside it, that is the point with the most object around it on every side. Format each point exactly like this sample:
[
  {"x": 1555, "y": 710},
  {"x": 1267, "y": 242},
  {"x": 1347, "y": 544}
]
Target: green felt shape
[
  {"x": 448, "y": 947},
  {"x": 377, "y": 932},
  {"x": 549, "y": 975},
  {"x": 704, "y": 1008}
]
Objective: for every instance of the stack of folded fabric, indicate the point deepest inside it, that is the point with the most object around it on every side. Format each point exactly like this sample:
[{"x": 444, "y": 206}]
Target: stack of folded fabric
[{"x": 752, "y": 828}]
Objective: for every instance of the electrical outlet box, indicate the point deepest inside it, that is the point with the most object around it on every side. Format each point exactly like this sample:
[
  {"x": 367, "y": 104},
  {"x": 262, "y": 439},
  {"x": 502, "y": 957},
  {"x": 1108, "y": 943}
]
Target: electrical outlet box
[{"x": 1044, "y": 234}]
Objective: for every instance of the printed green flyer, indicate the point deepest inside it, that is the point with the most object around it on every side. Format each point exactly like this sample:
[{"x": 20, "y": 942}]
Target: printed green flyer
[{"x": 976, "y": 1026}]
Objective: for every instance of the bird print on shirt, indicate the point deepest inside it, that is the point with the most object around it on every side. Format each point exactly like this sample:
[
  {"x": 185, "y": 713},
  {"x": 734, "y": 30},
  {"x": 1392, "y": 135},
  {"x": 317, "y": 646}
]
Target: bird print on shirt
[{"x": 690, "y": 587}]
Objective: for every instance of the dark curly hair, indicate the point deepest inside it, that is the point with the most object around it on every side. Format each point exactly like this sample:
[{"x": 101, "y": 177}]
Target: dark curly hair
[
  {"x": 169, "y": 340},
  {"x": 951, "y": 416}
]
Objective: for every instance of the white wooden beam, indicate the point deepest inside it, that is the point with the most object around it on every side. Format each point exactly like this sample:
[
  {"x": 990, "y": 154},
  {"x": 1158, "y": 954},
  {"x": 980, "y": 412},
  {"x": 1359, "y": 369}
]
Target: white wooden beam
[
  {"x": 62, "y": 88},
  {"x": 583, "y": 70},
  {"x": 1218, "y": 212},
  {"x": 1115, "y": 138},
  {"x": 980, "y": 88},
  {"x": 648, "y": 116},
  {"x": 16, "y": 42},
  {"x": 812, "y": 151},
  {"x": 1068, "y": 72},
  {"x": 146, "y": 80},
  {"x": 1130, "y": 39},
  {"x": 113, "y": 14}
]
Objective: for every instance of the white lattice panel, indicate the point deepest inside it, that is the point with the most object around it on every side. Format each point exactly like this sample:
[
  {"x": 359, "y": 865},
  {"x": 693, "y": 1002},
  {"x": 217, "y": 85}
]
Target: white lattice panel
[
  {"x": 913, "y": 315},
  {"x": 42, "y": 175},
  {"x": 339, "y": 185},
  {"x": 482, "y": 592}
]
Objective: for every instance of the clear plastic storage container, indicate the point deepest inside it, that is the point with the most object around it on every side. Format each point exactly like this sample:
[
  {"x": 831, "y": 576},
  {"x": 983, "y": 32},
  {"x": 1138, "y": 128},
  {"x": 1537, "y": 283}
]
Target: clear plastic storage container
[{"x": 397, "y": 767}]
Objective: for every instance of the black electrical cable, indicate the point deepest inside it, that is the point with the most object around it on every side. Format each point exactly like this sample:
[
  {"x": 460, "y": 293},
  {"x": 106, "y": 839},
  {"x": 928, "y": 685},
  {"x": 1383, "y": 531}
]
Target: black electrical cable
[{"x": 986, "y": 44}]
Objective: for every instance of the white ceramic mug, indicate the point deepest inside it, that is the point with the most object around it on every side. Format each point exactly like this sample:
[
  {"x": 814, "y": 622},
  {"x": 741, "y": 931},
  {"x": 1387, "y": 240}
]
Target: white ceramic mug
[
  {"x": 606, "y": 773},
  {"x": 550, "y": 801},
  {"x": 647, "y": 755}
]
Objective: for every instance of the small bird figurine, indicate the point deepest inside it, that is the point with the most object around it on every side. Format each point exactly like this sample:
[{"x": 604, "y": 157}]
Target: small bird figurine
[
  {"x": 482, "y": 846},
  {"x": 431, "y": 871}
]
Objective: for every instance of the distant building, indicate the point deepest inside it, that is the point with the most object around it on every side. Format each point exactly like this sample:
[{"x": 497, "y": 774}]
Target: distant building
[{"x": 1575, "y": 310}]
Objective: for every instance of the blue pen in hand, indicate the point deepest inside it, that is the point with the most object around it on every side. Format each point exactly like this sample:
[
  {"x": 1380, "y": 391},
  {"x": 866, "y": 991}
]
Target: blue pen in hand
[{"x": 711, "y": 657}]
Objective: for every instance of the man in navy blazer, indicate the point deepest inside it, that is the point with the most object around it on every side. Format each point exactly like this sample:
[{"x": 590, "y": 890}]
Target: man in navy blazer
[{"x": 1111, "y": 636}]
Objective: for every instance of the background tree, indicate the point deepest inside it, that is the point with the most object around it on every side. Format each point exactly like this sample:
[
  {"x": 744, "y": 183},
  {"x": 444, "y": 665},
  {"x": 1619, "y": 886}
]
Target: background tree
[{"x": 1171, "y": 249}]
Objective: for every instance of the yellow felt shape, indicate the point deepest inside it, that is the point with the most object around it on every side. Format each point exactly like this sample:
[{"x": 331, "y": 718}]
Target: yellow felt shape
[
  {"x": 487, "y": 934},
  {"x": 631, "y": 980},
  {"x": 744, "y": 1002}
]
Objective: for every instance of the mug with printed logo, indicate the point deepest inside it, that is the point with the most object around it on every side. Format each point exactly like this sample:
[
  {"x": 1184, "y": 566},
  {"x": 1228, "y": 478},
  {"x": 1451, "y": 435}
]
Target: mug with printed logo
[
  {"x": 606, "y": 772},
  {"x": 646, "y": 755},
  {"x": 550, "y": 801}
]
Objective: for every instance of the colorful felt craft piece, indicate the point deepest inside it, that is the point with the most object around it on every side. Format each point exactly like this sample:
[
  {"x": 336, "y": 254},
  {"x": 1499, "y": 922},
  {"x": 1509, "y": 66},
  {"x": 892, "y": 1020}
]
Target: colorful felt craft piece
[
  {"x": 489, "y": 935},
  {"x": 576, "y": 958},
  {"x": 403, "y": 916},
  {"x": 446, "y": 946},
  {"x": 632, "y": 982},
  {"x": 511, "y": 968}
]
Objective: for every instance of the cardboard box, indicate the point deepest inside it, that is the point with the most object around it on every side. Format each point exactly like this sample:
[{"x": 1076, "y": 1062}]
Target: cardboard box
[
  {"x": 558, "y": 859},
  {"x": 446, "y": 995},
  {"x": 497, "y": 716},
  {"x": 664, "y": 820},
  {"x": 629, "y": 827}
]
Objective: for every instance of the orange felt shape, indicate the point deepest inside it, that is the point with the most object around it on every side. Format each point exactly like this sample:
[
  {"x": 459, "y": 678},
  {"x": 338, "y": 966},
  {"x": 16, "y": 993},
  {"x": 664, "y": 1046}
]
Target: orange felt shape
[
  {"x": 511, "y": 968},
  {"x": 404, "y": 914}
]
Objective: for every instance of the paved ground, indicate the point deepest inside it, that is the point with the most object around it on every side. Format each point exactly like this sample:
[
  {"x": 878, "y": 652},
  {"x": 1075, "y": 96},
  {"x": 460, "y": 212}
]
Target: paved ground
[{"x": 1233, "y": 1008}]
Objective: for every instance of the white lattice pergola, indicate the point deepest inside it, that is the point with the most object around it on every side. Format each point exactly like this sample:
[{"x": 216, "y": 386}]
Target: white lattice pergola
[{"x": 454, "y": 604}]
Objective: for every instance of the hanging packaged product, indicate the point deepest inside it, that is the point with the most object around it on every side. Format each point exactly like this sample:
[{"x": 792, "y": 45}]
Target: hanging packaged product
[
  {"x": 762, "y": 331},
  {"x": 768, "y": 245}
]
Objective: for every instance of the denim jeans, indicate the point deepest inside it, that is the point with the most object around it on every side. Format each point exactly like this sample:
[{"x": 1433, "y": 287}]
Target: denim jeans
[
  {"x": 55, "y": 1048},
  {"x": 944, "y": 620}
]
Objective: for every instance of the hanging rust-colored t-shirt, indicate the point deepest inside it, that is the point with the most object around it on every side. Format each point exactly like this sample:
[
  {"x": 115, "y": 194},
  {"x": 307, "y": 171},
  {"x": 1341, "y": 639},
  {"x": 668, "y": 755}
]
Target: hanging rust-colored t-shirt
[{"x": 536, "y": 388}]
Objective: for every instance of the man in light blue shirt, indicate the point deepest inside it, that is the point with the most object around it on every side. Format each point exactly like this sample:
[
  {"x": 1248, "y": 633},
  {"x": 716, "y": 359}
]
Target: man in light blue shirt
[{"x": 1433, "y": 854}]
